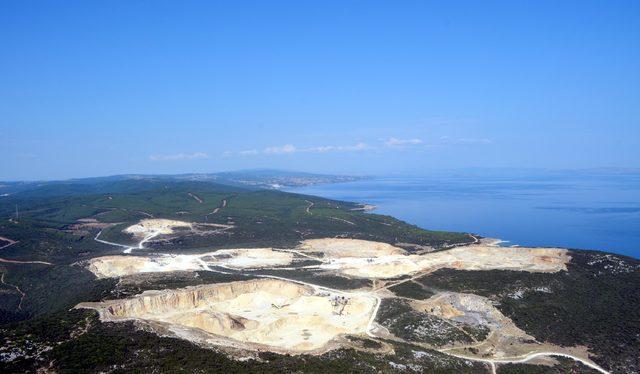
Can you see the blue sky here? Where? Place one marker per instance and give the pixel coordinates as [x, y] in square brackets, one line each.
[98, 88]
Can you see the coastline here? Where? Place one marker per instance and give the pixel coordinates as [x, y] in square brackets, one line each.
[535, 208]
[365, 207]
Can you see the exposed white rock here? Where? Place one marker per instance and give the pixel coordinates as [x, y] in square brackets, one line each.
[279, 314]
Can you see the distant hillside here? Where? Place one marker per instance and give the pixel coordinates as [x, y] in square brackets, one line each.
[256, 178]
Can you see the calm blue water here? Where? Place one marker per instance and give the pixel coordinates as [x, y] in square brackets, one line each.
[577, 210]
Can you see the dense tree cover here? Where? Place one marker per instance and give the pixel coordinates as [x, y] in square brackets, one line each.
[565, 366]
[412, 290]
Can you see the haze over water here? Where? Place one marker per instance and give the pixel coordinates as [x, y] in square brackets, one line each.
[587, 210]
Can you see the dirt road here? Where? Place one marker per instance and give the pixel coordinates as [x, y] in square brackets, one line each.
[12, 242]
[311, 204]
[196, 197]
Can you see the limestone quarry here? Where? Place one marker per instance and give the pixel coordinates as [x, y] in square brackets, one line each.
[365, 259]
[149, 229]
[332, 248]
[269, 313]
[350, 257]
[279, 314]
[159, 226]
[120, 266]
[505, 337]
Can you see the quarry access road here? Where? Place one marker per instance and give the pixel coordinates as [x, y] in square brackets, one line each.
[128, 248]
[112, 243]
[529, 357]
[5, 260]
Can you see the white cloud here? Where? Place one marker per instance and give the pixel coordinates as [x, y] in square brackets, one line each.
[179, 156]
[340, 148]
[288, 148]
[321, 149]
[357, 147]
[388, 144]
[446, 140]
[474, 141]
[395, 142]
[291, 149]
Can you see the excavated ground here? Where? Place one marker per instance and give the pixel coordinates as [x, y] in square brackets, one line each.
[269, 313]
[505, 338]
[332, 248]
[365, 259]
[287, 316]
[156, 226]
[354, 258]
[247, 258]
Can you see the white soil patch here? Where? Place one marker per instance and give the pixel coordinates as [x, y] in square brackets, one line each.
[339, 248]
[267, 313]
[246, 258]
[251, 258]
[148, 227]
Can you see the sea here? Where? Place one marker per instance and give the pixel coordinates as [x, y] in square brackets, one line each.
[597, 210]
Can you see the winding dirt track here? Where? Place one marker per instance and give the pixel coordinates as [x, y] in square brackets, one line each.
[491, 362]
[22, 294]
[531, 356]
[311, 204]
[223, 204]
[12, 242]
[24, 262]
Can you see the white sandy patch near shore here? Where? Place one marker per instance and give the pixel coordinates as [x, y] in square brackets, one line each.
[249, 258]
[279, 314]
